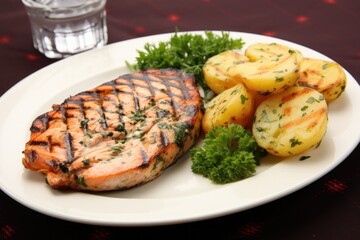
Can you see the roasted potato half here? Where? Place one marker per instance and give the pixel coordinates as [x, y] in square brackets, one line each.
[324, 76]
[269, 73]
[234, 105]
[216, 70]
[291, 122]
[259, 51]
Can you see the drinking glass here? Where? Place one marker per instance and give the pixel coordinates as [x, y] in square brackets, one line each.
[61, 28]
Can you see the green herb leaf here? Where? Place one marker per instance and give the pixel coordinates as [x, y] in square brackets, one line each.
[228, 154]
[294, 141]
[302, 158]
[86, 162]
[81, 181]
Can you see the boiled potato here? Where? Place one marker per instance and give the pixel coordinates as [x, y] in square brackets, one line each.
[268, 75]
[259, 51]
[234, 105]
[291, 122]
[324, 76]
[216, 70]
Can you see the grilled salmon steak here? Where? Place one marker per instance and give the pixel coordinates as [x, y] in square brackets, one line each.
[121, 134]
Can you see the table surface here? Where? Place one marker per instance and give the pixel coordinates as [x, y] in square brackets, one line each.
[329, 208]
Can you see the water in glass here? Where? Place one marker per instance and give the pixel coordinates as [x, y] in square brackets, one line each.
[62, 28]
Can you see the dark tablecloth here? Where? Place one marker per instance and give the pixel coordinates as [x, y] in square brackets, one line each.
[329, 208]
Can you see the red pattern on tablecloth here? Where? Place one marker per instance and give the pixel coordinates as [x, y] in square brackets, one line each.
[7, 232]
[4, 39]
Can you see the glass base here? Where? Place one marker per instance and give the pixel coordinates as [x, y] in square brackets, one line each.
[60, 37]
[61, 45]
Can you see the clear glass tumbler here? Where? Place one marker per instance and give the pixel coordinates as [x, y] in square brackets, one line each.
[61, 28]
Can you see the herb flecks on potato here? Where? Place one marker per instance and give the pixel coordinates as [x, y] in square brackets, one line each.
[324, 76]
[217, 70]
[291, 122]
[270, 72]
[234, 105]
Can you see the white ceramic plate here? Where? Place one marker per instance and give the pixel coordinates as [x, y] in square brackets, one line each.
[178, 195]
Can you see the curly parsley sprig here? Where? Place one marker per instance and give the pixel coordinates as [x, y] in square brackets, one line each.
[227, 154]
[187, 51]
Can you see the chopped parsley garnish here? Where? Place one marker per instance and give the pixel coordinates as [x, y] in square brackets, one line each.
[158, 160]
[81, 181]
[259, 129]
[84, 126]
[138, 116]
[294, 142]
[107, 134]
[84, 123]
[121, 128]
[304, 108]
[279, 79]
[86, 162]
[302, 158]
[181, 133]
[63, 168]
[311, 100]
[243, 99]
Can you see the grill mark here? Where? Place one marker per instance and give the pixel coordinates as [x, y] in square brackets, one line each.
[191, 111]
[172, 102]
[164, 79]
[145, 158]
[47, 144]
[294, 95]
[39, 143]
[67, 137]
[313, 117]
[117, 103]
[104, 123]
[181, 85]
[146, 77]
[51, 163]
[167, 81]
[149, 80]
[50, 143]
[164, 139]
[62, 111]
[44, 120]
[79, 102]
[129, 79]
[32, 156]
[99, 100]
[183, 88]
[69, 147]
[175, 76]
[115, 92]
[151, 88]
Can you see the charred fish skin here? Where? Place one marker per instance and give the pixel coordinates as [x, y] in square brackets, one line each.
[118, 135]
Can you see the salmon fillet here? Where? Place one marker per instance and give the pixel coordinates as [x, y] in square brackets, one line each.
[121, 134]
